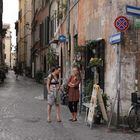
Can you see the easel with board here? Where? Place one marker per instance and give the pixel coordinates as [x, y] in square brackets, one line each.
[96, 96]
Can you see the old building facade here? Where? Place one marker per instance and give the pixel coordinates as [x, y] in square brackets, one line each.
[98, 24]
[87, 26]
[40, 35]
[8, 45]
[24, 35]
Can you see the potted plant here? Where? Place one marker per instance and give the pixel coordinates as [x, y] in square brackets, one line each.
[95, 62]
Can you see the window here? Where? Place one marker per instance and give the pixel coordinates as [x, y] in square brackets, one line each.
[41, 34]
[76, 40]
[52, 28]
[58, 9]
[53, 23]
[47, 30]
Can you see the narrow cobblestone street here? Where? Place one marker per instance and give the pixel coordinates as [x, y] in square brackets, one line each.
[23, 116]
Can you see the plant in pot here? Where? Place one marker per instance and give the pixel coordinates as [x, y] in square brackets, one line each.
[95, 62]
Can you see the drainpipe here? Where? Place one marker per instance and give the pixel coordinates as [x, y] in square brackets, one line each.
[68, 31]
[137, 50]
[1, 11]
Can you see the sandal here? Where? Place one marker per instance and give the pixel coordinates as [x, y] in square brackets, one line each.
[70, 119]
[74, 120]
[49, 121]
[58, 120]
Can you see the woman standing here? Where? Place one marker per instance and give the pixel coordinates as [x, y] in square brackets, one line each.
[73, 92]
[53, 88]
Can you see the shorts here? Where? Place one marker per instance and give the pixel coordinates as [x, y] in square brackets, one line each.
[54, 98]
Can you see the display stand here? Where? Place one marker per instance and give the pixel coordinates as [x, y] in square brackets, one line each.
[96, 95]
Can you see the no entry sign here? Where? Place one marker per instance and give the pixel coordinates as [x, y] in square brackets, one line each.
[121, 23]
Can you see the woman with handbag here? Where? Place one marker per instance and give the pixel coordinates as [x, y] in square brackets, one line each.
[53, 87]
[73, 92]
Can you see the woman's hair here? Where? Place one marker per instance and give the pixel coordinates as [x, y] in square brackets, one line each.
[52, 69]
[79, 73]
[55, 68]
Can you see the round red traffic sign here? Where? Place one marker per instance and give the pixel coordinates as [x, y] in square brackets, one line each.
[121, 23]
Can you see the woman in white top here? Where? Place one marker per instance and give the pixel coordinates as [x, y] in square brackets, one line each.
[53, 87]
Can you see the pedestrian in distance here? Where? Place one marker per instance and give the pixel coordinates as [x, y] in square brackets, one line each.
[73, 92]
[53, 87]
[16, 72]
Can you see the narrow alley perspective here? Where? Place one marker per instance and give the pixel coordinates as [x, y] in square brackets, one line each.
[23, 116]
[69, 69]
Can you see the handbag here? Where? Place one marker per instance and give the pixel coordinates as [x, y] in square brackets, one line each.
[64, 96]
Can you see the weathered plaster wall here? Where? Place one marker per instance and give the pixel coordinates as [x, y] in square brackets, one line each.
[96, 20]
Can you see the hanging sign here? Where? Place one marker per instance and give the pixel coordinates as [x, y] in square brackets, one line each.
[62, 38]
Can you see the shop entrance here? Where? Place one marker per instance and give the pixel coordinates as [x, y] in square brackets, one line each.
[95, 49]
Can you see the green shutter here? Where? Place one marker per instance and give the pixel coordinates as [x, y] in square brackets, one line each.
[47, 31]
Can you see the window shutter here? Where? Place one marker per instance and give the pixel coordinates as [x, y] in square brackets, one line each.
[47, 31]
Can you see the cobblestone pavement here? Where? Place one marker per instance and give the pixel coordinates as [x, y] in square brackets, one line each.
[23, 116]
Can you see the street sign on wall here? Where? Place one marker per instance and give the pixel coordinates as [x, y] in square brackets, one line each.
[132, 10]
[115, 38]
[121, 23]
[137, 23]
[62, 38]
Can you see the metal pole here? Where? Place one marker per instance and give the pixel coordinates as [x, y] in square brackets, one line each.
[119, 81]
[81, 97]
[1, 11]
[137, 50]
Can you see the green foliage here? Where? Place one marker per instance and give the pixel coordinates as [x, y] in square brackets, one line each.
[78, 64]
[88, 92]
[105, 100]
[4, 68]
[51, 57]
[79, 51]
[95, 62]
[39, 75]
[88, 87]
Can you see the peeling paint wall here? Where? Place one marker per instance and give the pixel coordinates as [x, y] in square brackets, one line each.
[96, 20]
